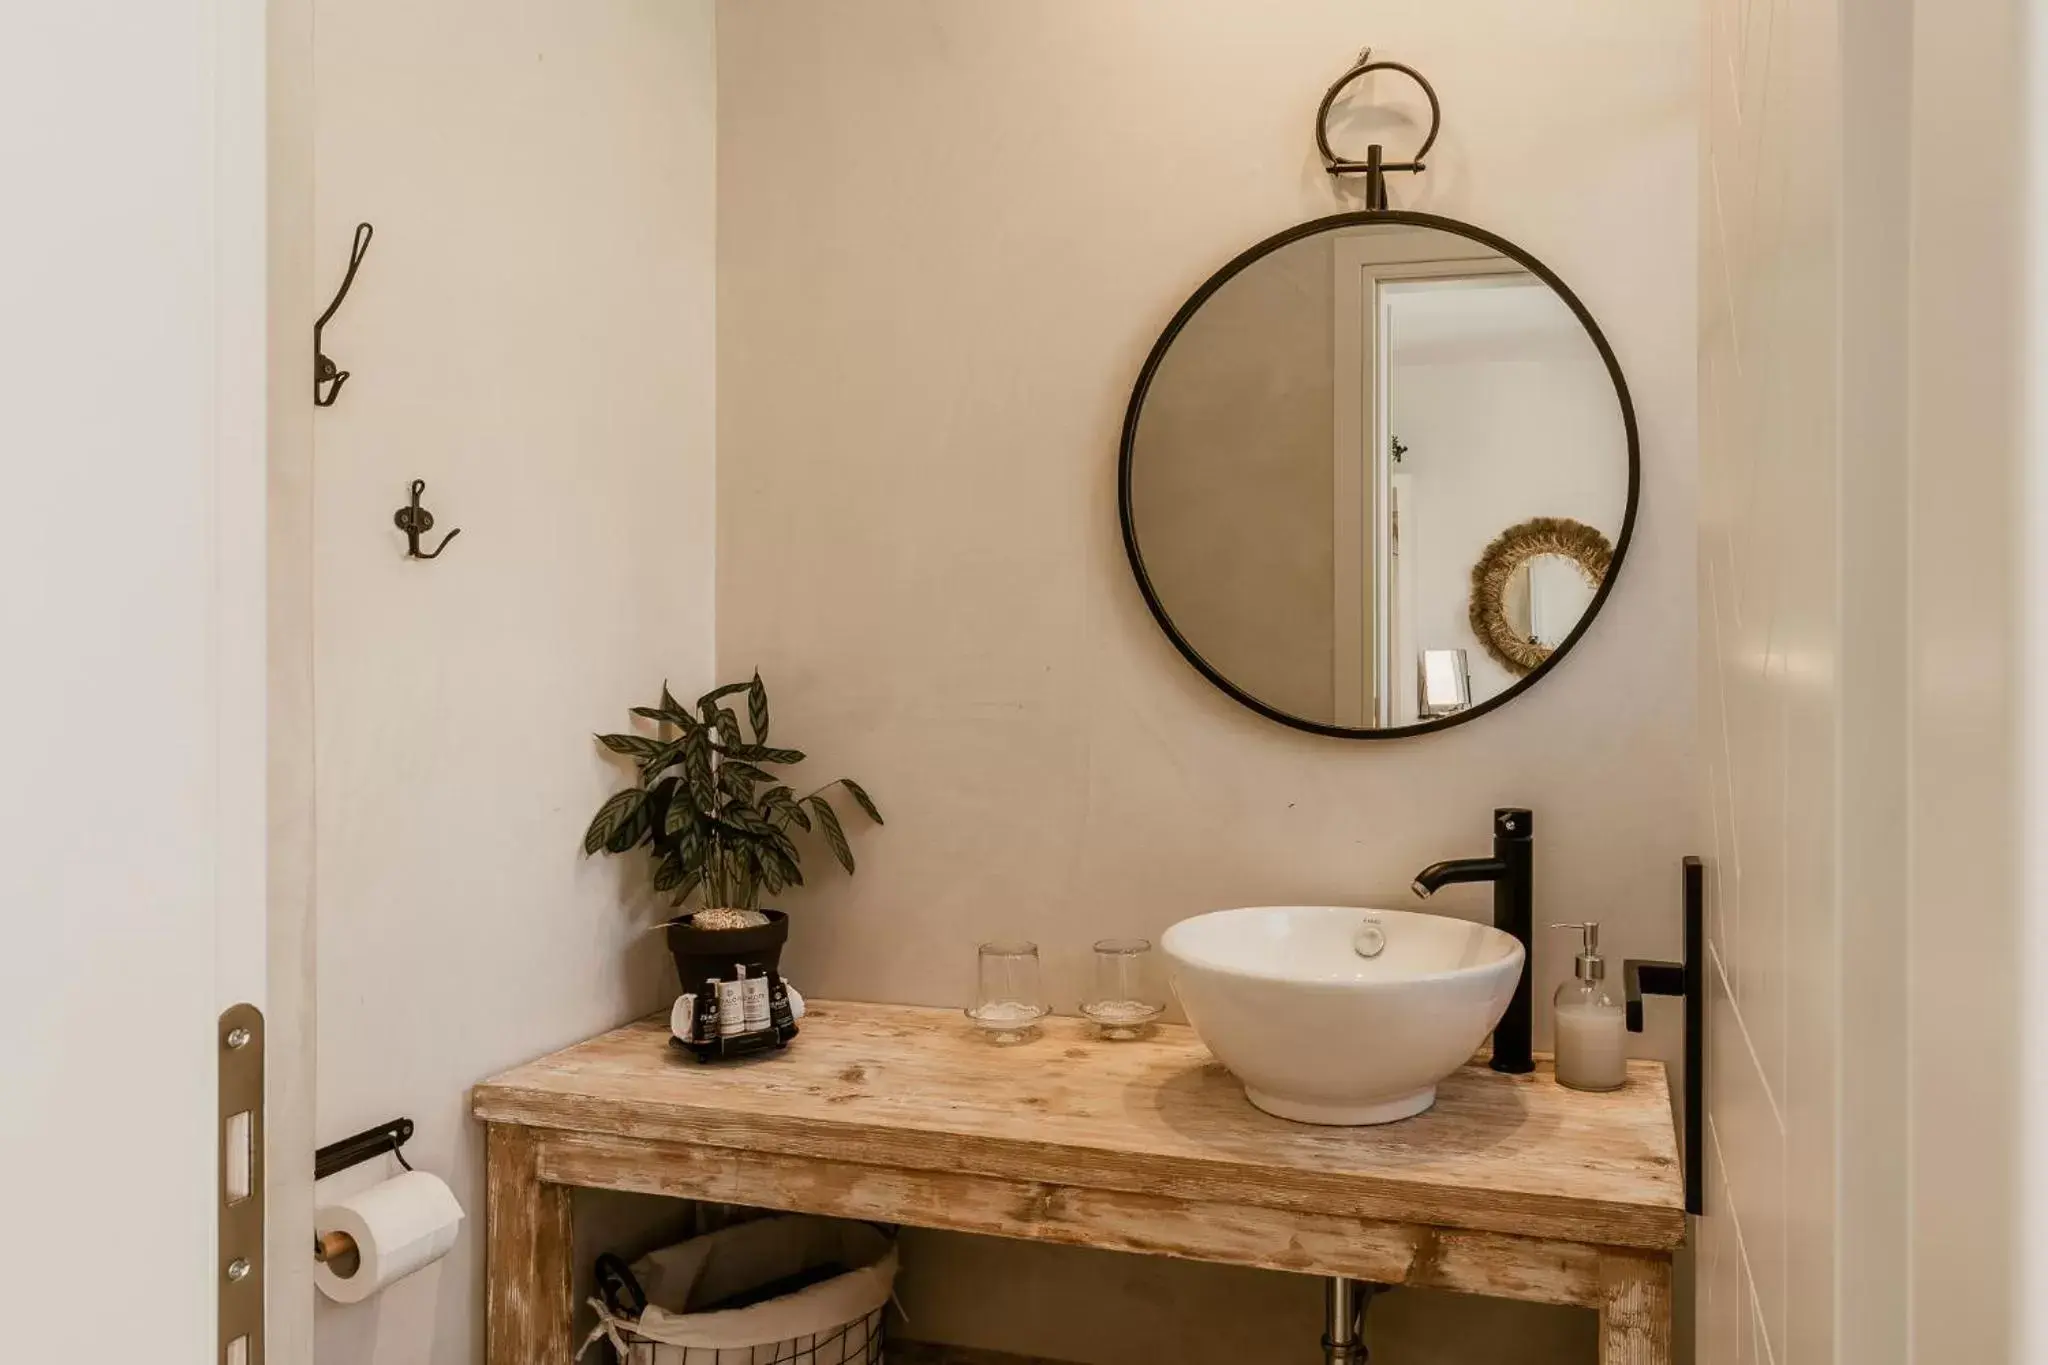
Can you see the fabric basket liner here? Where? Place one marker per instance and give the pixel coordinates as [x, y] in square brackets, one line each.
[733, 1260]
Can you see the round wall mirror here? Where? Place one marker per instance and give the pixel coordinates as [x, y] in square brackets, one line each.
[1378, 474]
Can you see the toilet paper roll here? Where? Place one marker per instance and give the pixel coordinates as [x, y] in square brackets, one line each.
[398, 1227]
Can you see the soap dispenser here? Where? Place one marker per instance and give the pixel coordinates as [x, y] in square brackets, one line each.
[1592, 1037]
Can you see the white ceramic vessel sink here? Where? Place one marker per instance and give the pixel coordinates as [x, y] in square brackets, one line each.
[1320, 1033]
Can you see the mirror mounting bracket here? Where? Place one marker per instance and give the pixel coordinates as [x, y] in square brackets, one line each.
[1375, 166]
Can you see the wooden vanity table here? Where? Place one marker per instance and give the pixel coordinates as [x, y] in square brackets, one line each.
[1511, 1186]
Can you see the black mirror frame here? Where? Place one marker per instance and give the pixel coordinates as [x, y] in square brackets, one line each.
[1127, 450]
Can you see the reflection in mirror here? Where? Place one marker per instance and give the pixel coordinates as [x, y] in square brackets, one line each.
[1532, 586]
[1444, 682]
[1330, 443]
[1546, 597]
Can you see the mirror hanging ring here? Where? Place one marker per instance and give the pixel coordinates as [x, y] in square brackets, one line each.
[1513, 548]
[1375, 166]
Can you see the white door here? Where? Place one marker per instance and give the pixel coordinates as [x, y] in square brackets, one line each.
[132, 601]
[1863, 399]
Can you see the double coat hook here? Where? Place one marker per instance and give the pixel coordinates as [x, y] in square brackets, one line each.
[327, 376]
[416, 521]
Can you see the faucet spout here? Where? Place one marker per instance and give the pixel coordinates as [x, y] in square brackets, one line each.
[1439, 875]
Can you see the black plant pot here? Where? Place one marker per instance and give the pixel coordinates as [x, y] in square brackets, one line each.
[711, 954]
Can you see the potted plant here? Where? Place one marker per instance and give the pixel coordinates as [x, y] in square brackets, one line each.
[718, 825]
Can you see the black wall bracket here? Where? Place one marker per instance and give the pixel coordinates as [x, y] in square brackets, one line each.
[1687, 979]
[337, 1157]
[1375, 166]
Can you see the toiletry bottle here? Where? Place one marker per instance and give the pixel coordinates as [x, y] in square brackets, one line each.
[1592, 1037]
[732, 1006]
[754, 998]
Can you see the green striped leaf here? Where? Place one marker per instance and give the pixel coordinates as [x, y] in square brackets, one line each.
[778, 866]
[679, 821]
[638, 824]
[761, 753]
[717, 694]
[781, 803]
[742, 883]
[860, 796]
[663, 757]
[639, 746]
[734, 770]
[611, 816]
[743, 818]
[697, 768]
[786, 850]
[689, 845]
[692, 876]
[757, 709]
[828, 825]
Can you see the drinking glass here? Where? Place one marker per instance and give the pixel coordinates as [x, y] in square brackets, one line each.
[1008, 1000]
[1124, 1003]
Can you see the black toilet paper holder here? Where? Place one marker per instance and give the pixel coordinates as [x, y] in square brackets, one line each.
[354, 1150]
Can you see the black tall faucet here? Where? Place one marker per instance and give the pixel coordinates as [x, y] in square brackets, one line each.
[1510, 870]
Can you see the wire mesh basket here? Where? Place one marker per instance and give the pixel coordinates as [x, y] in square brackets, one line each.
[791, 1290]
[857, 1343]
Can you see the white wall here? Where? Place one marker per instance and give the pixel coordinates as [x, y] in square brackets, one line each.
[532, 335]
[928, 330]
[1974, 403]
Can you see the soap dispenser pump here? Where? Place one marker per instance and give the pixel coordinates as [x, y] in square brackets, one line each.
[1592, 1037]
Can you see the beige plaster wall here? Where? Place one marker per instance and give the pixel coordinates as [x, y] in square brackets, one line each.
[948, 234]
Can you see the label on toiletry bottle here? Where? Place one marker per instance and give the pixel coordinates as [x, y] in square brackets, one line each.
[732, 1007]
[754, 992]
[682, 1020]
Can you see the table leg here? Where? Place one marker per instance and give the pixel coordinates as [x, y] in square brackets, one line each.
[1635, 1310]
[528, 1296]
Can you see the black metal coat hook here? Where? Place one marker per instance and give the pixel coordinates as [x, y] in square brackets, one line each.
[416, 521]
[327, 377]
[1375, 166]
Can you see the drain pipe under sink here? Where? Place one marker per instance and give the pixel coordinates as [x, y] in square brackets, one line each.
[1344, 1304]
